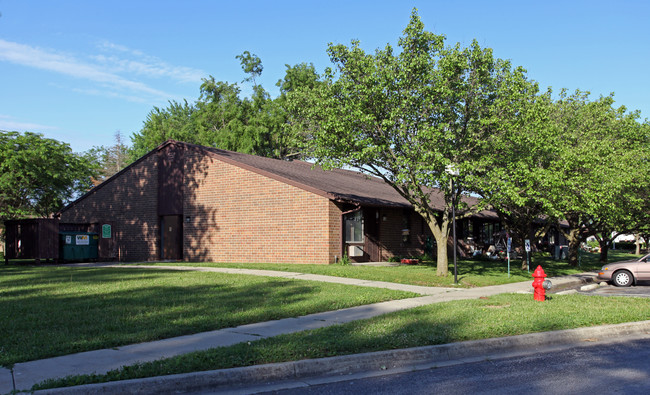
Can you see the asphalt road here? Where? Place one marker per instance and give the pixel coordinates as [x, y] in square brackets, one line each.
[622, 368]
[641, 289]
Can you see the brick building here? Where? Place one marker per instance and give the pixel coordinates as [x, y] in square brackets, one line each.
[188, 202]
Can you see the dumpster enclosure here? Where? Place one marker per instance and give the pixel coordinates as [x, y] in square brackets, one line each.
[48, 239]
[35, 238]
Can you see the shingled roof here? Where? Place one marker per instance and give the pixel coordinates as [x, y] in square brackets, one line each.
[338, 184]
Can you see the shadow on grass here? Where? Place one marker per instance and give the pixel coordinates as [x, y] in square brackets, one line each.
[490, 267]
[56, 311]
[499, 316]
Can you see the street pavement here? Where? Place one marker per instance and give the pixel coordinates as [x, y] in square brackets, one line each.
[26, 374]
[620, 367]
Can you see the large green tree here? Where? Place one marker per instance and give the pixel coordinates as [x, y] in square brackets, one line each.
[110, 159]
[573, 160]
[599, 175]
[223, 118]
[39, 175]
[516, 157]
[174, 122]
[405, 116]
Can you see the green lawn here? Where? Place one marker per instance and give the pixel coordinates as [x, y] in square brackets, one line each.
[471, 273]
[497, 316]
[47, 311]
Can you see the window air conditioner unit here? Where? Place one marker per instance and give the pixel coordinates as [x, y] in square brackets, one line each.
[355, 251]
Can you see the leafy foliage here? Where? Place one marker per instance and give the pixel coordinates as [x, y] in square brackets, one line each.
[406, 117]
[584, 162]
[600, 172]
[110, 160]
[38, 175]
[174, 122]
[221, 118]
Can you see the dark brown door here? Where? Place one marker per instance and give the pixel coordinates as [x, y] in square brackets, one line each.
[371, 228]
[172, 237]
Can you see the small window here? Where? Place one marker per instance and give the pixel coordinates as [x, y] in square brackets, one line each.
[469, 229]
[487, 232]
[353, 223]
[406, 227]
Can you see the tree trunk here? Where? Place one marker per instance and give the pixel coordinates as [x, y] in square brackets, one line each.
[637, 243]
[442, 263]
[520, 238]
[440, 231]
[604, 249]
[574, 247]
[646, 238]
[573, 236]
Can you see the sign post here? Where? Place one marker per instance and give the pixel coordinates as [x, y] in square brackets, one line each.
[527, 244]
[508, 248]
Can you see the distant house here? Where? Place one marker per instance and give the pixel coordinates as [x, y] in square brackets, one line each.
[188, 202]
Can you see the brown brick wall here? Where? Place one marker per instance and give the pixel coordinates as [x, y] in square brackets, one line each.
[130, 202]
[236, 215]
[335, 236]
[391, 234]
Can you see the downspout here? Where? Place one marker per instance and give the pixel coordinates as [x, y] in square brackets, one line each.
[342, 230]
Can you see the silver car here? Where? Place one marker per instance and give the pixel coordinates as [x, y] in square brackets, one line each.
[626, 273]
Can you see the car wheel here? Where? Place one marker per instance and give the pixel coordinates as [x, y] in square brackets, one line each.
[622, 278]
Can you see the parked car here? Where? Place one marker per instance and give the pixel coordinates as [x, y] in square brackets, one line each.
[626, 273]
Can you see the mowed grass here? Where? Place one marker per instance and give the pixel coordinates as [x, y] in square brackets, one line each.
[47, 311]
[471, 272]
[496, 316]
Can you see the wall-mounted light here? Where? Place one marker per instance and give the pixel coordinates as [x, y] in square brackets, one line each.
[188, 219]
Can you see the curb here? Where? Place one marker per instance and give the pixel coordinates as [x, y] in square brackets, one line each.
[388, 361]
[574, 281]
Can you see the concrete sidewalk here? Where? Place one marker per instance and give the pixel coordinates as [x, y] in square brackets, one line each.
[29, 373]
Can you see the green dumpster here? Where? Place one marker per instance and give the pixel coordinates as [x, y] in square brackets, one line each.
[78, 246]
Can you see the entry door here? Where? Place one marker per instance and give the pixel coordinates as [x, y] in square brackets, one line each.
[371, 222]
[172, 237]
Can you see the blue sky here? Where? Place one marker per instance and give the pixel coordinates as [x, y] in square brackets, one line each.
[79, 71]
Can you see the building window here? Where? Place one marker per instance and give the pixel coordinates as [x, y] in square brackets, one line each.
[353, 224]
[406, 227]
[468, 229]
[488, 231]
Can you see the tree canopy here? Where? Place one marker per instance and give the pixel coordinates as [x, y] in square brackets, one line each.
[39, 175]
[222, 118]
[109, 160]
[571, 160]
[405, 117]
[600, 171]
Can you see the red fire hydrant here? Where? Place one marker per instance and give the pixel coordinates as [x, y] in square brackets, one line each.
[539, 285]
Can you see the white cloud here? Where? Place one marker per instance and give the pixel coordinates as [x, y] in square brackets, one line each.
[110, 94]
[145, 64]
[9, 124]
[102, 70]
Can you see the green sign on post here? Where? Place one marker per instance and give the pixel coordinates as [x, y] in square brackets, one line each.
[106, 231]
